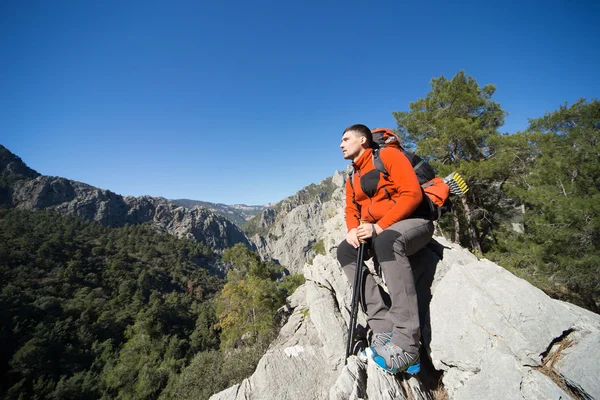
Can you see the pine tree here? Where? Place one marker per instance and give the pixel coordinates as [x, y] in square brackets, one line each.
[453, 127]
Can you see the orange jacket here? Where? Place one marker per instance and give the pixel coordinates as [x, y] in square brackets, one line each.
[382, 201]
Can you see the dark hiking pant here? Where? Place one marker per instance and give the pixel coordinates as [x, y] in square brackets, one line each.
[392, 248]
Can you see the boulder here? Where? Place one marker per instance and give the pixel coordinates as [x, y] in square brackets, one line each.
[489, 334]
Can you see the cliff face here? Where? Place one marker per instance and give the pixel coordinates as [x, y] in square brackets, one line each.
[485, 332]
[27, 189]
[75, 198]
[292, 229]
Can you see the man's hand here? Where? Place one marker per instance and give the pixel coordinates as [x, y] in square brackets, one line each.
[365, 231]
[352, 238]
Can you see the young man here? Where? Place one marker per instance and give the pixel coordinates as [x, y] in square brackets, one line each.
[395, 224]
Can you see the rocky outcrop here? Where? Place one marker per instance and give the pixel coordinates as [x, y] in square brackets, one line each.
[490, 334]
[291, 230]
[486, 334]
[10, 164]
[76, 198]
[24, 188]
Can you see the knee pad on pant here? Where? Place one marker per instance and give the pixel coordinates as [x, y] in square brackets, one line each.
[346, 254]
[384, 245]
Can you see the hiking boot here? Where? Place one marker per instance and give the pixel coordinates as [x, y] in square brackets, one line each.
[378, 339]
[381, 338]
[393, 359]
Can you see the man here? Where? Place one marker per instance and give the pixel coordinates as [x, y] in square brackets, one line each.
[395, 223]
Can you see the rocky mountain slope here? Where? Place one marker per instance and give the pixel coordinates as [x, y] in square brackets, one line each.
[289, 231]
[24, 188]
[486, 333]
[239, 214]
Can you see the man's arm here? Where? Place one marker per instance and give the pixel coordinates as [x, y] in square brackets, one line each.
[352, 215]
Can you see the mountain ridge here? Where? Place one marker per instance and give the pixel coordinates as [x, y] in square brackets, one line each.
[22, 187]
[239, 214]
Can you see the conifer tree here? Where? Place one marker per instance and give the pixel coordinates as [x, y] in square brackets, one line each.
[560, 192]
[452, 127]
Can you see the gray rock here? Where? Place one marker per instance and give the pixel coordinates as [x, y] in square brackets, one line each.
[103, 206]
[291, 238]
[351, 382]
[580, 365]
[536, 385]
[490, 328]
[299, 223]
[10, 164]
[490, 332]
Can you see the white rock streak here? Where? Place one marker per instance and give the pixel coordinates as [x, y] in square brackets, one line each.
[293, 351]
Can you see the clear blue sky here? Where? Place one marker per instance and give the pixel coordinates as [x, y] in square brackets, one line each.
[245, 102]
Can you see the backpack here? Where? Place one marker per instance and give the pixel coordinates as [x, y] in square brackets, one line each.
[437, 190]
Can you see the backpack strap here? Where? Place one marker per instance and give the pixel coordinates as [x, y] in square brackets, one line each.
[378, 162]
[416, 167]
[351, 179]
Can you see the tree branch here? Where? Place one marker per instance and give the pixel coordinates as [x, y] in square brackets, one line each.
[563, 188]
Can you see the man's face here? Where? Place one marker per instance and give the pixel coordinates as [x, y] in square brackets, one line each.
[352, 145]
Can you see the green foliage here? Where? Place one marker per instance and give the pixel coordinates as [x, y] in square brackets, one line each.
[243, 263]
[247, 305]
[321, 191]
[89, 311]
[289, 283]
[551, 171]
[247, 317]
[251, 227]
[561, 195]
[453, 123]
[246, 312]
[319, 248]
[456, 128]
[212, 371]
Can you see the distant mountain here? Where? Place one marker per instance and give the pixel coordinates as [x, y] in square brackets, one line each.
[11, 165]
[237, 213]
[23, 188]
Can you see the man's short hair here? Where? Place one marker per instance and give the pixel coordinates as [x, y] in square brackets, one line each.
[361, 130]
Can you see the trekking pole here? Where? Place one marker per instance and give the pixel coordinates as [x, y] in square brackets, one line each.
[355, 299]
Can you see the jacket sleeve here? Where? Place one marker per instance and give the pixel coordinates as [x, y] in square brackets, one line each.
[352, 214]
[409, 194]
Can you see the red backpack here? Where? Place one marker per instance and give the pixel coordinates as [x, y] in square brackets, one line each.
[436, 189]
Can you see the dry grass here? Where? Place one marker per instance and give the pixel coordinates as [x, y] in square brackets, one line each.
[439, 393]
[431, 379]
[550, 360]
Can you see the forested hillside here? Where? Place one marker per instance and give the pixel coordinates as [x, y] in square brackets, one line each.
[95, 312]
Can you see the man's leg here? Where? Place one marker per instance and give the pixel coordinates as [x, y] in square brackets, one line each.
[393, 246]
[376, 308]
